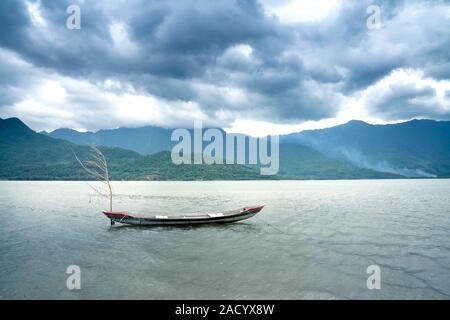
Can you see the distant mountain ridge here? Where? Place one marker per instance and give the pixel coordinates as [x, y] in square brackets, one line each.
[27, 155]
[416, 148]
[144, 140]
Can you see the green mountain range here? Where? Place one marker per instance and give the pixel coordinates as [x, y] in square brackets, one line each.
[356, 150]
[417, 148]
[27, 155]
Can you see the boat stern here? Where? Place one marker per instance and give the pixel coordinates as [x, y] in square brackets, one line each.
[115, 216]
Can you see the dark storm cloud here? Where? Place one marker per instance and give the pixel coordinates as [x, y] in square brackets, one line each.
[343, 41]
[408, 101]
[13, 19]
[192, 51]
[55, 46]
[178, 39]
[175, 41]
[414, 34]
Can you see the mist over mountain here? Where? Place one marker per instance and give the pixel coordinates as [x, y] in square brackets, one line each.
[299, 160]
[417, 148]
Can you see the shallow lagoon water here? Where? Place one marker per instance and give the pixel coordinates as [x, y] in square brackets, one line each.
[314, 240]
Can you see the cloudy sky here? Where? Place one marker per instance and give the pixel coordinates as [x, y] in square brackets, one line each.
[258, 67]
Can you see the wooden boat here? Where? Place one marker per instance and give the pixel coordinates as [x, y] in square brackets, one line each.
[188, 219]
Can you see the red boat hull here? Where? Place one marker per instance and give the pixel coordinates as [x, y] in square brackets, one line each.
[191, 219]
